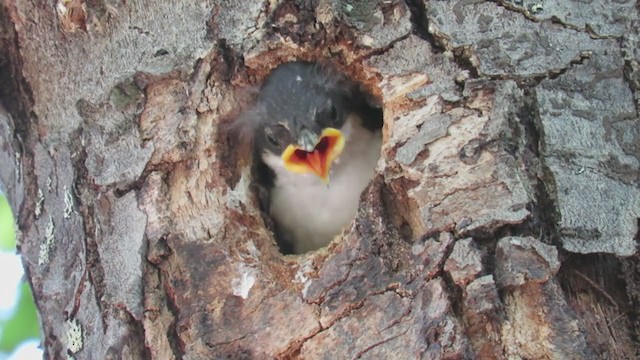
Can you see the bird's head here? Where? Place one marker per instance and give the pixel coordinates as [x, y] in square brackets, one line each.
[302, 110]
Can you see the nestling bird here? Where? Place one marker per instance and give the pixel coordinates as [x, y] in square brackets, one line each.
[317, 141]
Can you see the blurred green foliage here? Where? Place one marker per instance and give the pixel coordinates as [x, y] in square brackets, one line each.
[22, 324]
[7, 232]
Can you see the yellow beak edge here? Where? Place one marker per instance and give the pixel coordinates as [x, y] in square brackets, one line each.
[327, 149]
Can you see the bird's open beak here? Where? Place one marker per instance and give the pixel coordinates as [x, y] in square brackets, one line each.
[319, 160]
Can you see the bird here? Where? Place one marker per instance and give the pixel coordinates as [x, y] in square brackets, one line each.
[316, 140]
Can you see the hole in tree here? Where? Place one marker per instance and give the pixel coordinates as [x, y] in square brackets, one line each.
[308, 175]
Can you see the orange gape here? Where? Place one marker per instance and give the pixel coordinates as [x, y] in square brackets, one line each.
[318, 161]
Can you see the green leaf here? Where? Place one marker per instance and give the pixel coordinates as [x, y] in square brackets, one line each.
[23, 324]
[7, 232]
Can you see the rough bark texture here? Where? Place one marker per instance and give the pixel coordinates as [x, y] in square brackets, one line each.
[502, 221]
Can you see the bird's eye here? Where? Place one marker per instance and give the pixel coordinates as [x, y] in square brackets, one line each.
[271, 137]
[333, 112]
[328, 116]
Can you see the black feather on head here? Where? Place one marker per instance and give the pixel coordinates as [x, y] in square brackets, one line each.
[299, 96]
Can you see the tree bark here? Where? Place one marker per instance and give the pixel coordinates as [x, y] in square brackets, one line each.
[502, 222]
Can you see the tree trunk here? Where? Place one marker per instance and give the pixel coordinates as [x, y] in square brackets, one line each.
[502, 222]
